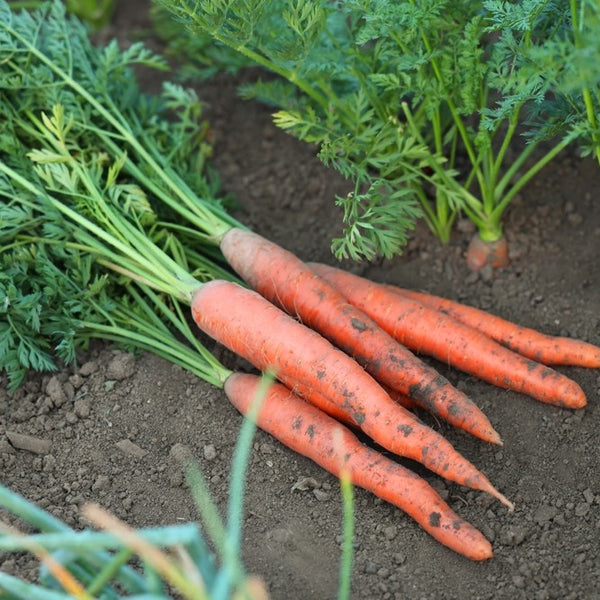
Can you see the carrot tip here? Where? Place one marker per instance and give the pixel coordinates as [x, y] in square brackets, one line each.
[502, 498]
[494, 438]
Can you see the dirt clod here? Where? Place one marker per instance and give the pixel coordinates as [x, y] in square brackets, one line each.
[30, 443]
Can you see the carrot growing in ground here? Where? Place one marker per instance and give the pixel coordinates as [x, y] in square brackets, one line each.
[285, 280]
[546, 349]
[437, 334]
[273, 341]
[332, 446]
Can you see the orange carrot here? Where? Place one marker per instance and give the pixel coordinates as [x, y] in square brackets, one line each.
[310, 432]
[434, 333]
[480, 253]
[546, 349]
[271, 340]
[285, 280]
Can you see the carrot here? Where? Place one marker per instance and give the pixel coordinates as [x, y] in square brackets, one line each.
[546, 349]
[271, 340]
[435, 333]
[310, 432]
[481, 253]
[285, 280]
[400, 398]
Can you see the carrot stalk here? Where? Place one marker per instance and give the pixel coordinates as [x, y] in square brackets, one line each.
[310, 432]
[432, 332]
[546, 349]
[252, 327]
[285, 280]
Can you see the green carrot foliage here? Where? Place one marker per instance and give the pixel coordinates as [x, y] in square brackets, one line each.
[418, 103]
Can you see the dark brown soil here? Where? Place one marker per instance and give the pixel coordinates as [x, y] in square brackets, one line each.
[548, 548]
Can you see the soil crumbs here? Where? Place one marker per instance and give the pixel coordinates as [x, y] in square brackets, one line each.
[111, 429]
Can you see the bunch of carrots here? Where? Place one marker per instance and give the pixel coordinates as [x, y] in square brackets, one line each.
[343, 349]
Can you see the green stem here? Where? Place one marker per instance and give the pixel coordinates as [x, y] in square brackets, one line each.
[171, 278]
[587, 95]
[239, 467]
[348, 537]
[182, 356]
[210, 223]
[461, 192]
[512, 171]
[191, 211]
[529, 174]
[508, 137]
[454, 112]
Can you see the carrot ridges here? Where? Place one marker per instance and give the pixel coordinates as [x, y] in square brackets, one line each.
[433, 332]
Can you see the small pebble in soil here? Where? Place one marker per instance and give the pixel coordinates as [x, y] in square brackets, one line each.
[582, 509]
[589, 496]
[306, 483]
[29, 443]
[181, 453]
[320, 494]
[82, 408]
[209, 451]
[545, 513]
[121, 366]
[102, 483]
[55, 391]
[371, 568]
[512, 536]
[88, 368]
[128, 448]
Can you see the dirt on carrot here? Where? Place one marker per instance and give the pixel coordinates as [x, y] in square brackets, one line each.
[310, 432]
[285, 280]
[546, 349]
[436, 334]
[252, 327]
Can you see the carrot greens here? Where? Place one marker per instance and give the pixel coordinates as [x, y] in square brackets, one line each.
[418, 103]
[74, 200]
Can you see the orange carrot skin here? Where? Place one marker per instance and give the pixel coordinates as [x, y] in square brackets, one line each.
[435, 333]
[546, 349]
[334, 410]
[252, 327]
[285, 280]
[310, 432]
[480, 254]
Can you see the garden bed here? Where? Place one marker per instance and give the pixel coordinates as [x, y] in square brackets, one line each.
[113, 428]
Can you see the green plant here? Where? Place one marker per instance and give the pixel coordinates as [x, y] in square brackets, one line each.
[97, 13]
[50, 65]
[417, 102]
[569, 61]
[88, 564]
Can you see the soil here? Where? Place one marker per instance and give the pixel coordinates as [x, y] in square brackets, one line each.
[110, 428]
